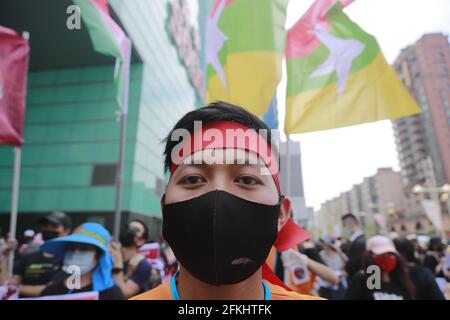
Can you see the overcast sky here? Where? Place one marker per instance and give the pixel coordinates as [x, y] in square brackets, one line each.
[334, 160]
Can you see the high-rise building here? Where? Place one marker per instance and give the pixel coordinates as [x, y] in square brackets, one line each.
[424, 69]
[374, 200]
[71, 130]
[301, 213]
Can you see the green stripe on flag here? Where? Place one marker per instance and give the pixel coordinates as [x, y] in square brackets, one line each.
[299, 69]
[103, 37]
[252, 25]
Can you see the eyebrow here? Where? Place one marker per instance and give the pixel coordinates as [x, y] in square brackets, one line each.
[204, 164]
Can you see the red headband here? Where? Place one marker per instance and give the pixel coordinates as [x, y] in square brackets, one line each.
[227, 135]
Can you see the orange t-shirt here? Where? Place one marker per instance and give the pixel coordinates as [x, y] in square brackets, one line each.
[304, 288]
[163, 292]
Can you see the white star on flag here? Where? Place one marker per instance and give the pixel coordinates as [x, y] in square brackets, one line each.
[342, 54]
[215, 40]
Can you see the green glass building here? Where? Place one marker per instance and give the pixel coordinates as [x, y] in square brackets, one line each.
[71, 129]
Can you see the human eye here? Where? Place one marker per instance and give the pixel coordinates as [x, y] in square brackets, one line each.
[248, 180]
[191, 180]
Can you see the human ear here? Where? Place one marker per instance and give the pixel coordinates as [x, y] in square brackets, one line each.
[285, 212]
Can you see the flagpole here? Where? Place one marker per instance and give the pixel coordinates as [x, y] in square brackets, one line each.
[15, 191]
[122, 144]
[432, 184]
[14, 204]
[288, 166]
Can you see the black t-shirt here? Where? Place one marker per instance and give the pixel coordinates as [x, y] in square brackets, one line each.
[431, 262]
[358, 290]
[36, 268]
[57, 287]
[425, 283]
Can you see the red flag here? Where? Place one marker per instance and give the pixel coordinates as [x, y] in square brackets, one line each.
[14, 54]
[289, 236]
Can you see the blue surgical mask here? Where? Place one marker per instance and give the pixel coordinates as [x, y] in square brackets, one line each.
[85, 260]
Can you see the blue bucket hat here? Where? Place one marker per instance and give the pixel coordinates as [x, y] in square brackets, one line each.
[93, 234]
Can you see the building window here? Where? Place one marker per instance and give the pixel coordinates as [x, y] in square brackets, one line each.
[160, 187]
[419, 226]
[104, 174]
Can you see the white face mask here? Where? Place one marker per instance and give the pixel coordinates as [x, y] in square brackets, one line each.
[85, 260]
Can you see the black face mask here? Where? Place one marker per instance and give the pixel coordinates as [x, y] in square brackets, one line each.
[48, 235]
[220, 238]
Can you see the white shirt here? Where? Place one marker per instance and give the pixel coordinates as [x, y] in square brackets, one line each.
[356, 235]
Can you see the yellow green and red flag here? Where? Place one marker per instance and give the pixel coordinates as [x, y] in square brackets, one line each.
[245, 41]
[337, 74]
[109, 39]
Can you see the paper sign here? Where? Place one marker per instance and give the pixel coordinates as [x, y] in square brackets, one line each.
[91, 295]
[431, 209]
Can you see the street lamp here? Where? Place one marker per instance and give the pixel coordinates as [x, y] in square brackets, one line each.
[418, 189]
[445, 188]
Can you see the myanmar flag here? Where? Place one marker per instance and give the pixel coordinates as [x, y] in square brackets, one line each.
[337, 74]
[109, 39]
[245, 42]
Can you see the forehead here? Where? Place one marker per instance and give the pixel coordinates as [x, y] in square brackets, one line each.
[50, 225]
[138, 225]
[221, 156]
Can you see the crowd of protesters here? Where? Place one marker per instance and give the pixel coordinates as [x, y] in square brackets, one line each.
[62, 259]
[44, 261]
[332, 268]
[408, 269]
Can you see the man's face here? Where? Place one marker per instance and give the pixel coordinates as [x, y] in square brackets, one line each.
[51, 230]
[348, 225]
[58, 229]
[243, 180]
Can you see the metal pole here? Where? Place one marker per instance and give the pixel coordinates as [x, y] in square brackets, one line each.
[14, 204]
[288, 167]
[123, 131]
[15, 191]
[435, 194]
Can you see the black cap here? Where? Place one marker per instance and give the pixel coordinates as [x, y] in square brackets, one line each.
[57, 217]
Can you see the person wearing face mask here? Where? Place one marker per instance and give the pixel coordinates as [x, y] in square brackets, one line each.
[423, 279]
[131, 271]
[86, 249]
[356, 245]
[392, 282]
[222, 209]
[35, 268]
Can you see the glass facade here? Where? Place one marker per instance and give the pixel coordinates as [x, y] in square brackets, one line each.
[71, 128]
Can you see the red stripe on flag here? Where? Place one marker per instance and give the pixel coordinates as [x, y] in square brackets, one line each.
[290, 236]
[270, 276]
[14, 55]
[301, 41]
[216, 6]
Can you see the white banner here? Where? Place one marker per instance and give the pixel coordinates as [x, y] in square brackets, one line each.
[91, 295]
[381, 220]
[432, 211]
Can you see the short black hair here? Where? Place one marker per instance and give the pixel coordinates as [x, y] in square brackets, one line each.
[435, 244]
[145, 234]
[216, 111]
[406, 248]
[350, 216]
[57, 218]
